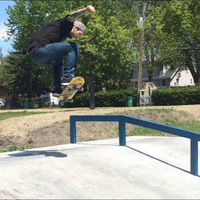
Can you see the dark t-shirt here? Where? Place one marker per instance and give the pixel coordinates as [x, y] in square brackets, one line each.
[52, 32]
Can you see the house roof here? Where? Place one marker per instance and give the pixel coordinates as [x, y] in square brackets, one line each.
[168, 75]
[157, 74]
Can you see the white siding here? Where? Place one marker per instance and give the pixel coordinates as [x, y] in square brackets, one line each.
[183, 78]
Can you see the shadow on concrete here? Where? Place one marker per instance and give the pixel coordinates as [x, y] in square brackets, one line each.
[158, 159]
[36, 153]
[143, 154]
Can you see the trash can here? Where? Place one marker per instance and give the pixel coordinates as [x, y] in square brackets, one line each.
[26, 104]
[129, 102]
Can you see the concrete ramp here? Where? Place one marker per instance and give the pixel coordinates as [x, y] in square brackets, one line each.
[147, 168]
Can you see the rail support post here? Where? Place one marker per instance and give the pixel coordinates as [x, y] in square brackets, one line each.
[194, 157]
[72, 130]
[122, 132]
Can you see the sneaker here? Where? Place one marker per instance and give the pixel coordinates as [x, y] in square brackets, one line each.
[65, 80]
[56, 91]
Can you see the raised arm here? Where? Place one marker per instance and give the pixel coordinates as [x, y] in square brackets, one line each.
[78, 13]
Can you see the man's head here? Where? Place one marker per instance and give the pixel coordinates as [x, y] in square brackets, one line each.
[77, 30]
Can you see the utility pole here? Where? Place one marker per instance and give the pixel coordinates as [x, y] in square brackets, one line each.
[141, 53]
[91, 91]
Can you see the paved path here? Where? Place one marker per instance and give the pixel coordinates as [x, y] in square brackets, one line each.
[147, 168]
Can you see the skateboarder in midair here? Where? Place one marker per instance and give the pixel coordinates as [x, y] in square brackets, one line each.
[48, 47]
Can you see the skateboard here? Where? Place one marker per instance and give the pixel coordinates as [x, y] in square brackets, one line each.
[70, 90]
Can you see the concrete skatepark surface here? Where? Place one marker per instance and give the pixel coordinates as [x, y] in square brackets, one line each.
[147, 168]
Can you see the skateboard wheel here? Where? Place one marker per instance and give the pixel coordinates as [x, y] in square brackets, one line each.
[82, 89]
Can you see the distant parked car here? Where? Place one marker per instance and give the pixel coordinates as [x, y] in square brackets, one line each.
[2, 102]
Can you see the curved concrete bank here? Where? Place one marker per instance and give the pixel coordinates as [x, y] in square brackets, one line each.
[147, 168]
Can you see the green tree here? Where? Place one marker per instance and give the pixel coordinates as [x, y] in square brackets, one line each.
[2, 58]
[108, 54]
[21, 78]
[105, 53]
[171, 34]
[180, 27]
[25, 18]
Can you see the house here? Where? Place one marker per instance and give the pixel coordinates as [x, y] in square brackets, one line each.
[166, 77]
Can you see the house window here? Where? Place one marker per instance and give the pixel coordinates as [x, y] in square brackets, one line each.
[142, 93]
[177, 82]
[163, 83]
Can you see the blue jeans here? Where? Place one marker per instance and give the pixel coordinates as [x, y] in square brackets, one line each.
[62, 56]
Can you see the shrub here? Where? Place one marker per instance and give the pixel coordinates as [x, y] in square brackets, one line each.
[104, 99]
[176, 96]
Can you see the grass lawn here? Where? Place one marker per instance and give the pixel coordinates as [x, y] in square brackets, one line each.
[7, 115]
[170, 117]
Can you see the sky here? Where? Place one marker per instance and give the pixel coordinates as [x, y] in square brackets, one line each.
[6, 46]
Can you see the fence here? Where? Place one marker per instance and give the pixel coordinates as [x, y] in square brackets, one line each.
[123, 119]
[145, 100]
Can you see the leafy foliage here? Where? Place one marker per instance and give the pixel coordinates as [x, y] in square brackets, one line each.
[110, 47]
[107, 55]
[104, 49]
[104, 99]
[176, 96]
[21, 78]
[180, 28]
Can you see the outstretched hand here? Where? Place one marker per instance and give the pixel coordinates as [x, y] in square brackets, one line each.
[90, 9]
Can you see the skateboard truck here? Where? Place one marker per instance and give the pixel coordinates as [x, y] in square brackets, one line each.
[76, 89]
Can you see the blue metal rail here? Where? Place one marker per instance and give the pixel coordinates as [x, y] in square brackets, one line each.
[123, 119]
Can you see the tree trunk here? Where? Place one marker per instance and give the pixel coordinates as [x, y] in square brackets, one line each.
[91, 92]
[191, 67]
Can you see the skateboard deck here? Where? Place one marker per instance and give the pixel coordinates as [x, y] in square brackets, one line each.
[70, 90]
